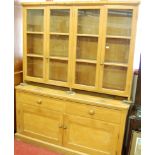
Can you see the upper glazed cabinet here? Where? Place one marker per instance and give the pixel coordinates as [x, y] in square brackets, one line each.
[87, 46]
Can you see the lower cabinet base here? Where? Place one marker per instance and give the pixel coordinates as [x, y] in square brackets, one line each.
[63, 123]
[53, 147]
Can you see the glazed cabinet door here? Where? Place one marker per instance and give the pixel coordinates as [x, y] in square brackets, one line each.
[117, 52]
[59, 34]
[90, 136]
[40, 123]
[87, 37]
[34, 43]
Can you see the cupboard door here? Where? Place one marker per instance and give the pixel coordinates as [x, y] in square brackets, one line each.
[40, 123]
[115, 58]
[34, 44]
[90, 136]
[58, 52]
[86, 47]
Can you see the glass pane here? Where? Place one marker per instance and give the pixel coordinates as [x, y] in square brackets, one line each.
[35, 67]
[35, 20]
[87, 48]
[59, 45]
[114, 77]
[35, 44]
[59, 20]
[58, 70]
[117, 50]
[88, 21]
[85, 74]
[119, 22]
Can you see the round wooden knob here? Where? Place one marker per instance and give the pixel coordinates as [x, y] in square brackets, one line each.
[91, 112]
[39, 101]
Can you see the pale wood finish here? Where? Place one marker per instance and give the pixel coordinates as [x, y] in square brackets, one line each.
[34, 120]
[51, 116]
[41, 101]
[90, 136]
[111, 2]
[34, 43]
[59, 32]
[78, 97]
[112, 116]
[83, 44]
[114, 77]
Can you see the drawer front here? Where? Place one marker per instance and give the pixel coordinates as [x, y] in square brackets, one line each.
[100, 113]
[41, 101]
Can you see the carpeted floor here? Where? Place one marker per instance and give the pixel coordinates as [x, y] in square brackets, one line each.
[22, 148]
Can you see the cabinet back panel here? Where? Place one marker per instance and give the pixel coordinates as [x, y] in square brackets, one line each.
[59, 20]
[118, 50]
[119, 22]
[114, 77]
[59, 46]
[85, 74]
[35, 67]
[88, 21]
[58, 70]
[87, 48]
[35, 44]
[35, 20]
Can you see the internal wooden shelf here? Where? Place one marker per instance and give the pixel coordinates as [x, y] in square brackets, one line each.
[32, 32]
[57, 33]
[87, 35]
[118, 37]
[86, 61]
[116, 64]
[58, 58]
[35, 55]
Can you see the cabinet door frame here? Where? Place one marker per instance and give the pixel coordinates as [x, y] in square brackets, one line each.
[129, 74]
[25, 76]
[89, 123]
[70, 36]
[81, 86]
[40, 112]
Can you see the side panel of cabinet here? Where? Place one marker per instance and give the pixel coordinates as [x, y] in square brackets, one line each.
[40, 123]
[90, 136]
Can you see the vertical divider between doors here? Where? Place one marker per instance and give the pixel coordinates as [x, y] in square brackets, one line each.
[70, 51]
[102, 44]
[74, 40]
[46, 54]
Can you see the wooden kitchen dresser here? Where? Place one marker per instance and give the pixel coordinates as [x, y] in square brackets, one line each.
[77, 70]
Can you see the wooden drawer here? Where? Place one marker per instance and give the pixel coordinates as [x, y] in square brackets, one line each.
[100, 113]
[41, 101]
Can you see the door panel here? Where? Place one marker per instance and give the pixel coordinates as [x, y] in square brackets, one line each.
[34, 43]
[41, 124]
[90, 136]
[87, 45]
[59, 45]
